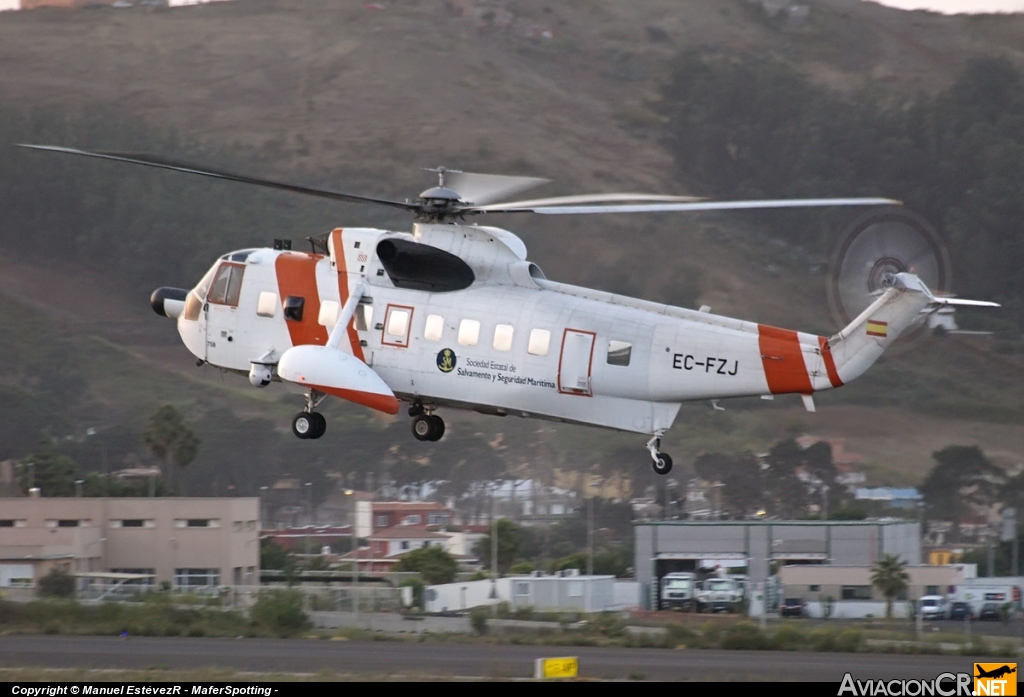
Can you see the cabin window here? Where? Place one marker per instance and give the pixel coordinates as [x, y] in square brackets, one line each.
[540, 342]
[619, 352]
[329, 311]
[398, 323]
[434, 328]
[266, 304]
[469, 332]
[227, 285]
[397, 320]
[503, 337]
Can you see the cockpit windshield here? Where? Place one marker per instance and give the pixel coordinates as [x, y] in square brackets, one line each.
[197, 296]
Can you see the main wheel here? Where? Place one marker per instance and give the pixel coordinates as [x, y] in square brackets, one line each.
[319, 425]
[303, 425]
[437, 427]
[422, 428]
[663, 465]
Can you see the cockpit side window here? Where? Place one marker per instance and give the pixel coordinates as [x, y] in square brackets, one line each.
[197, 296]
[227, 285]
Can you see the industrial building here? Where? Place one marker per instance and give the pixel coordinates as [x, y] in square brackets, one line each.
[847, 591]
[760, 547]
[186, 542]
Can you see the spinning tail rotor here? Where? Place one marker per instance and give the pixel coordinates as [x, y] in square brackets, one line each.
[873, 249]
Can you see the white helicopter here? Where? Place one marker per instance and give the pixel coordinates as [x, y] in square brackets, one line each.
[453, 315]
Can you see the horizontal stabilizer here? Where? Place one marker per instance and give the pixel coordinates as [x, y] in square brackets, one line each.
[966, 303]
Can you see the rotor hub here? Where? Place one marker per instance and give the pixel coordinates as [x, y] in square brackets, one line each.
[883, 273]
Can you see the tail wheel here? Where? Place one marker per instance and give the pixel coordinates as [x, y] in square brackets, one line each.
[663, 464]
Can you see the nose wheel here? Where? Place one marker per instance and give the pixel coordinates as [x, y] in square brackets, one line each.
[662, 463]
[427, 427]
[309, 425]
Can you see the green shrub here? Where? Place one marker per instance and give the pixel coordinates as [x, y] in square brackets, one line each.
[679, 635]
[850, 641]
[788, 638]
[280, 611]
[523, 613]
[57, 584]
[710, 634]
[434, 564]
[478, 619]
[521, 568]
[744, 635]
[610, 625]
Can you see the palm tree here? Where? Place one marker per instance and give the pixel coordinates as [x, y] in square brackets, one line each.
[889, 576]
[169, 438]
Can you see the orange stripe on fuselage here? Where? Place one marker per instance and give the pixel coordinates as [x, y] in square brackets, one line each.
[296, 277]
[783, 362]
[339, 259]
[830, 362]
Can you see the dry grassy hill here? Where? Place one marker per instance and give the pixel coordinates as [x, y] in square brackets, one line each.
[564, 90]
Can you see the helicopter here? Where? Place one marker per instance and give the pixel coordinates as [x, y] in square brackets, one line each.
[453, 315]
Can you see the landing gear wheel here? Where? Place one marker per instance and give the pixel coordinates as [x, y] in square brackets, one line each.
[304, 425]
[319, 425]
[437, 424]
[422, 427]
[663, 464]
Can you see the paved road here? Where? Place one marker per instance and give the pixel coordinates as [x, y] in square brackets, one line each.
[439, 659]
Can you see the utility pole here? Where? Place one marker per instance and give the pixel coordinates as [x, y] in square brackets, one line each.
[494, 541]
[309, 512]
[355, 554]
[1009, 534]
[590, 536]
[494, 550]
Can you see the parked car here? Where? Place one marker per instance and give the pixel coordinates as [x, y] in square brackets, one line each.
[933, 607]
[961, 611]
[990, 612]
[792, 607]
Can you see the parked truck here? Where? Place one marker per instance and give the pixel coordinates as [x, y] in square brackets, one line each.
[718, 594]
[677, 591]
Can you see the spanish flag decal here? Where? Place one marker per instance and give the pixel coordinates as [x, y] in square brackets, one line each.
[877, 328]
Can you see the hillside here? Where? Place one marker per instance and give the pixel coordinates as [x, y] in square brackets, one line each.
[362, 99]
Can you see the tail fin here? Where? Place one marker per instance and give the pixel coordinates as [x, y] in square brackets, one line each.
[859, 345]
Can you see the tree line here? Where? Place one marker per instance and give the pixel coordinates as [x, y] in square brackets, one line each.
[756, 128]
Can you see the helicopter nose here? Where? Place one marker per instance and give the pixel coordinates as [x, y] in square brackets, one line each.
[168, 302]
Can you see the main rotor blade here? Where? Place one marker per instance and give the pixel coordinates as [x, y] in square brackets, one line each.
[693, 207]
[485, 188]
[582, 198]
[153, 161]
